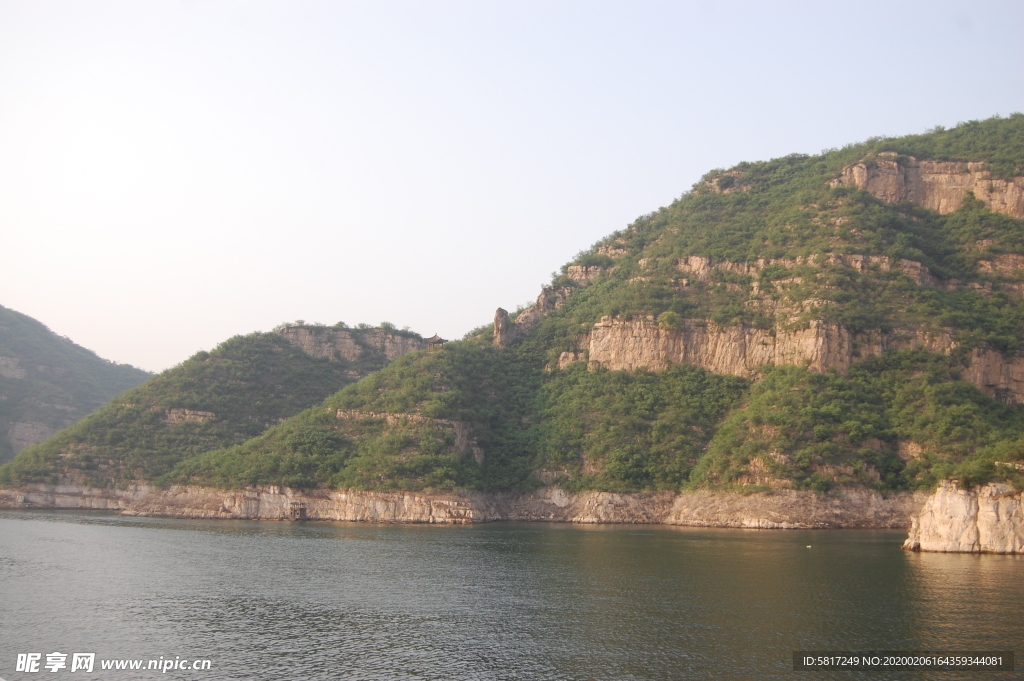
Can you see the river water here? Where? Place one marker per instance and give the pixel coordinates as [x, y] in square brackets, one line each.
[274, 600]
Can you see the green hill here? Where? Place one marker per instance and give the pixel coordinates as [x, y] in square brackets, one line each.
[848, 319]
[48, 382]
[212, 400]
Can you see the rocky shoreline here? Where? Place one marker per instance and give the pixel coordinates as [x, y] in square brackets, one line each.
[787, 509]
[987, 519]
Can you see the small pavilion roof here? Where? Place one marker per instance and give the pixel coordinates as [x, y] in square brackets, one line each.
[435, 339]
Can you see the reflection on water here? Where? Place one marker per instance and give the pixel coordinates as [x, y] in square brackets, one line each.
[269, 600]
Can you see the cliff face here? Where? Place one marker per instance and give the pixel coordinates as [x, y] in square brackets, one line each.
[700, 268]
[936, 185]
[997, 376]
[632, 344]
[334, 344]
[550, 298]
[780, 510]
[988, 519]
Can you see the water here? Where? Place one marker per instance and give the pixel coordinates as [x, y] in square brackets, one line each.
[269, 600]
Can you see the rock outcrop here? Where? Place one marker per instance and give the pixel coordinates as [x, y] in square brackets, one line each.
[1007, 265]
[997, 376]
[700, 267]
[334, 344]
[175, 416]
[503, 329]
[987, 519]
[632, 344]
[641, 343]
[779, 510]
[584, 275]
[936, 185]
[550, 298]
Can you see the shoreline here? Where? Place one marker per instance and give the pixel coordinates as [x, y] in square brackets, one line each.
[952, 519]
[783, 509]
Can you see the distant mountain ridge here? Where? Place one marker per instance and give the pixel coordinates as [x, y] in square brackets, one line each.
[48, 382]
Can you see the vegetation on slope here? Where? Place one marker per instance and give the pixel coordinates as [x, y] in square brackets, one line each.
[475, 417]
[212, 400]
[436, 399]
[617, 431]
[48, 382]
[901, 421]
[812, 428]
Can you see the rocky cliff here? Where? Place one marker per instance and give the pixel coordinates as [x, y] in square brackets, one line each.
[630, 344]
[506, 331]
[935, 185]
[334, 344]
[779, 510]
[987, 519]
[635, 343]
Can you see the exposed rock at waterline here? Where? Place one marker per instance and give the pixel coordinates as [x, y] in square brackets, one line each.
[987, 519]
[786, 509]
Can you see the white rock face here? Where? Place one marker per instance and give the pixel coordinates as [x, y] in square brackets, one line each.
[988, 519]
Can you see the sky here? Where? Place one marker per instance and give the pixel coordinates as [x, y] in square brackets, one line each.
[176, 173]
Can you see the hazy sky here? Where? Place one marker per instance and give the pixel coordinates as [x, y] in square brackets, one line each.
[174, 173]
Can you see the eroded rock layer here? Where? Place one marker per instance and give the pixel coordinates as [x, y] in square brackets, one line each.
[987, 519]
[631, 344]
[334, 344]
[935, 185]
[778, 510]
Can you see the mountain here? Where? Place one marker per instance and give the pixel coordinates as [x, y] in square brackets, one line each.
[48, 382]
[848, 320]
[212, 400]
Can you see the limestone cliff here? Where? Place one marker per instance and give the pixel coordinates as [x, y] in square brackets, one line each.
[631, 344]
[779, 510]
[988, 519]
[333, 344]
[936, 185]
